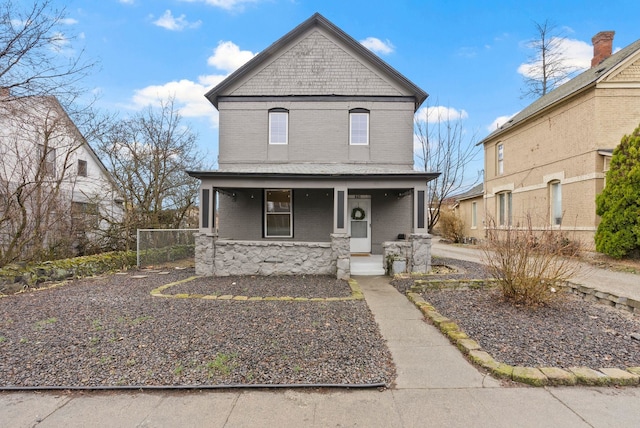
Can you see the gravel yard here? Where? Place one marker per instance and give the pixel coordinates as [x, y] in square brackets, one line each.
[568, 333]
[110, 331]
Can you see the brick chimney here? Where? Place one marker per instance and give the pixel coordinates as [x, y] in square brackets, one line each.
[602, 46]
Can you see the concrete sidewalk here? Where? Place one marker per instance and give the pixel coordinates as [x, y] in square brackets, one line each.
[619, 283]
[435, 387]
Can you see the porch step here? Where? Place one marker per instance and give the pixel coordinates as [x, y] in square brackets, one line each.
[367, 265]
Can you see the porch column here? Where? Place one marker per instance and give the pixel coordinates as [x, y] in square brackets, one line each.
[207, 234]
[340, 195]
[420, 209]
[339, 237]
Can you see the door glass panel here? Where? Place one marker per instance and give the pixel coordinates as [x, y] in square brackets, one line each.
[358, 228]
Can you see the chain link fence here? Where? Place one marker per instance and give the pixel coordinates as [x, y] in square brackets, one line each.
[161, 246]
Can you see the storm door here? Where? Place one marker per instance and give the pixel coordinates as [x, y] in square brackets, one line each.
[359, 211]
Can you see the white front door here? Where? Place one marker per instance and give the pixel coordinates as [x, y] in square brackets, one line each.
[360, 225]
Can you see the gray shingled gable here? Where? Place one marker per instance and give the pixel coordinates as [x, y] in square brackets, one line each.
[573, 86]
[372, 61]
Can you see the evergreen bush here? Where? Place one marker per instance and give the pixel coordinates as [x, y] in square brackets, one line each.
[618, 205]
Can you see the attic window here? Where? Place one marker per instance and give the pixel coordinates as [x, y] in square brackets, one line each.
[82, 168]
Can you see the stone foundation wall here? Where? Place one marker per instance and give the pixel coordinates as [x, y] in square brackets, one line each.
[395, 250]
[341, 253]
[216, 257]
[416, 251]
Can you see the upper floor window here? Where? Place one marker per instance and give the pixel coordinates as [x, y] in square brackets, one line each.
[555, 193]
[359, 126]
[82, 168]
[504, 209]
[500, 159]
[278, 126]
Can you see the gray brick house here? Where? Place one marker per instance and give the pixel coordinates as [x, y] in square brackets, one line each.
[315, 162]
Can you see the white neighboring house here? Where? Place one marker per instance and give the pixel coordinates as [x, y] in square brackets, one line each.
[55, 190]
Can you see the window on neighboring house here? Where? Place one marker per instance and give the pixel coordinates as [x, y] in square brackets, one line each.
[85, 214]
[474, 214]
[82, 168]
[359, 127]
[500, 159]
[504, 209]
[48, 160]
[278, 126]
[555, 191]
[278, 213]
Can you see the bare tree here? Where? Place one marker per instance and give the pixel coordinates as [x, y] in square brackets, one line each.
[148, 155]
[37, 57]
[444, 147]
[547, 67]
[38, 149]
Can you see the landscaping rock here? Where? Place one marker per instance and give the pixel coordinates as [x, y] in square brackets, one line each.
[529, 375]
[620, 377]
[557, 376]
[590, 377]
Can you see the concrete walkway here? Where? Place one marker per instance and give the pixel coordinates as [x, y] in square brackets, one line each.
[435, 387]
[618, 283]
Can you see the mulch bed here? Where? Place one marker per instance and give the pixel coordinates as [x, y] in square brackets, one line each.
[569, 332]
[109, 331]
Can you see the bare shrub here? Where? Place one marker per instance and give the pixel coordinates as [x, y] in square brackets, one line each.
[451, 226]
[530, 265]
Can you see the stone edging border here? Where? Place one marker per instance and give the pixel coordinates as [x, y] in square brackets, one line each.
[356, 294]
[593, 295]
[535, 376]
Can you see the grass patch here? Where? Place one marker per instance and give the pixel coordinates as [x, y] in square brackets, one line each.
[222, 364]
[42, 323]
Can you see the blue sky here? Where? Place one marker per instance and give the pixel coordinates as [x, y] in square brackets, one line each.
[465, 54]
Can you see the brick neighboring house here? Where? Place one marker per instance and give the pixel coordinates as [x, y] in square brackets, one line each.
[315, 162]
[469, 206]
[549, 161]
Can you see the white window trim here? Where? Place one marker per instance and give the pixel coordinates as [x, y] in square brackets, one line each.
[351, 116]
[290, 213]
[272, 114]
[505, 217]
[552, 206]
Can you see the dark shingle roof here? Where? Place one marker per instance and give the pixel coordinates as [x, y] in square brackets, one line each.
[474, 192]
[573, 86]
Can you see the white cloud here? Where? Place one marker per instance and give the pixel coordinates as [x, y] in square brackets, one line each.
[434, 114]
[189, 95]
[126, 1]
[499, 121]
[575, 56]
[61, 44]
[170, 22]
[68, 21]
[228, 57]
[225, 4]
[378, 46]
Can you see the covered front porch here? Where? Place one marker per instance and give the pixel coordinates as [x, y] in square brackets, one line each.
[276, 224]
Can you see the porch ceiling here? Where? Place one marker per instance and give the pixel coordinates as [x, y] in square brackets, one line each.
[388, 180]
